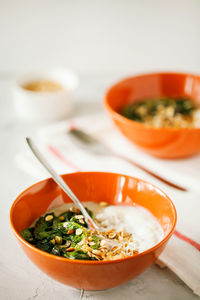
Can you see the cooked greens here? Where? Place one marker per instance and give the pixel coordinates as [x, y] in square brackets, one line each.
[61, 235]
[67, 235]
[161, 112]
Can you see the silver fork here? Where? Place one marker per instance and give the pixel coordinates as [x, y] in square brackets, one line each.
[89, 143]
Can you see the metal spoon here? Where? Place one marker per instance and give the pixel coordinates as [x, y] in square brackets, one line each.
[58, 179]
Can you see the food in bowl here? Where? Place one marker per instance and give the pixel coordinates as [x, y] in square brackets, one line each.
[125, 231]
[164, 112]
[43, 86]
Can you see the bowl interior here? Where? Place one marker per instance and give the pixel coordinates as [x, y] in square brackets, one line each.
[153, 85]
[93, 186]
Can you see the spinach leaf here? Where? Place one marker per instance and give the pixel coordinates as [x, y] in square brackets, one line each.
[184, 106]
[44, 245]
[55, 235]
[67, 215]
[27, 234]
[95, 240]
[78, 254]
[129, 113]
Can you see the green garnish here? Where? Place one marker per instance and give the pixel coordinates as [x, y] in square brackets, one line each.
[61, 235]
[144, 111]
[95, 240]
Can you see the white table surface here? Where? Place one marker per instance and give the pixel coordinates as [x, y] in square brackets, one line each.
[19, 278]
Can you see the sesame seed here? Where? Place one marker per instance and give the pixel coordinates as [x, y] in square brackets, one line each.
[92, 243]
[103, 243]
[65, 224]
[79, 231]
[53, 241]
[48, 218]
[58, 240]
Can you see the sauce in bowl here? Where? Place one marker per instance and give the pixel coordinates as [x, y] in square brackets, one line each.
[43, 86]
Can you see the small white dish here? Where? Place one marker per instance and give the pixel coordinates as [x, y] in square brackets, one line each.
[44, 106]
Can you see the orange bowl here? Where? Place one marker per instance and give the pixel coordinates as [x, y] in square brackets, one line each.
[92, 186]
[161, 142]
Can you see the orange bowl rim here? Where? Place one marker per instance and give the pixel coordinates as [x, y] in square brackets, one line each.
[86, 262]
[123, 119]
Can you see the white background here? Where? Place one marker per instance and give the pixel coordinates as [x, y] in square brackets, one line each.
[100, 36]
[100, 40]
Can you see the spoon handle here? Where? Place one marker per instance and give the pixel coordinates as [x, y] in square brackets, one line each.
[58, 179]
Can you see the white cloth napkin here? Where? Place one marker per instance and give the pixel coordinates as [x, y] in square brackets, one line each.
[182, 254]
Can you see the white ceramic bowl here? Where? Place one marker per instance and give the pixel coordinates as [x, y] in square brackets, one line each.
[44, 106]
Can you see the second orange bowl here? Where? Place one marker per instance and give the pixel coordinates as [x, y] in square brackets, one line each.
[160, 142]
